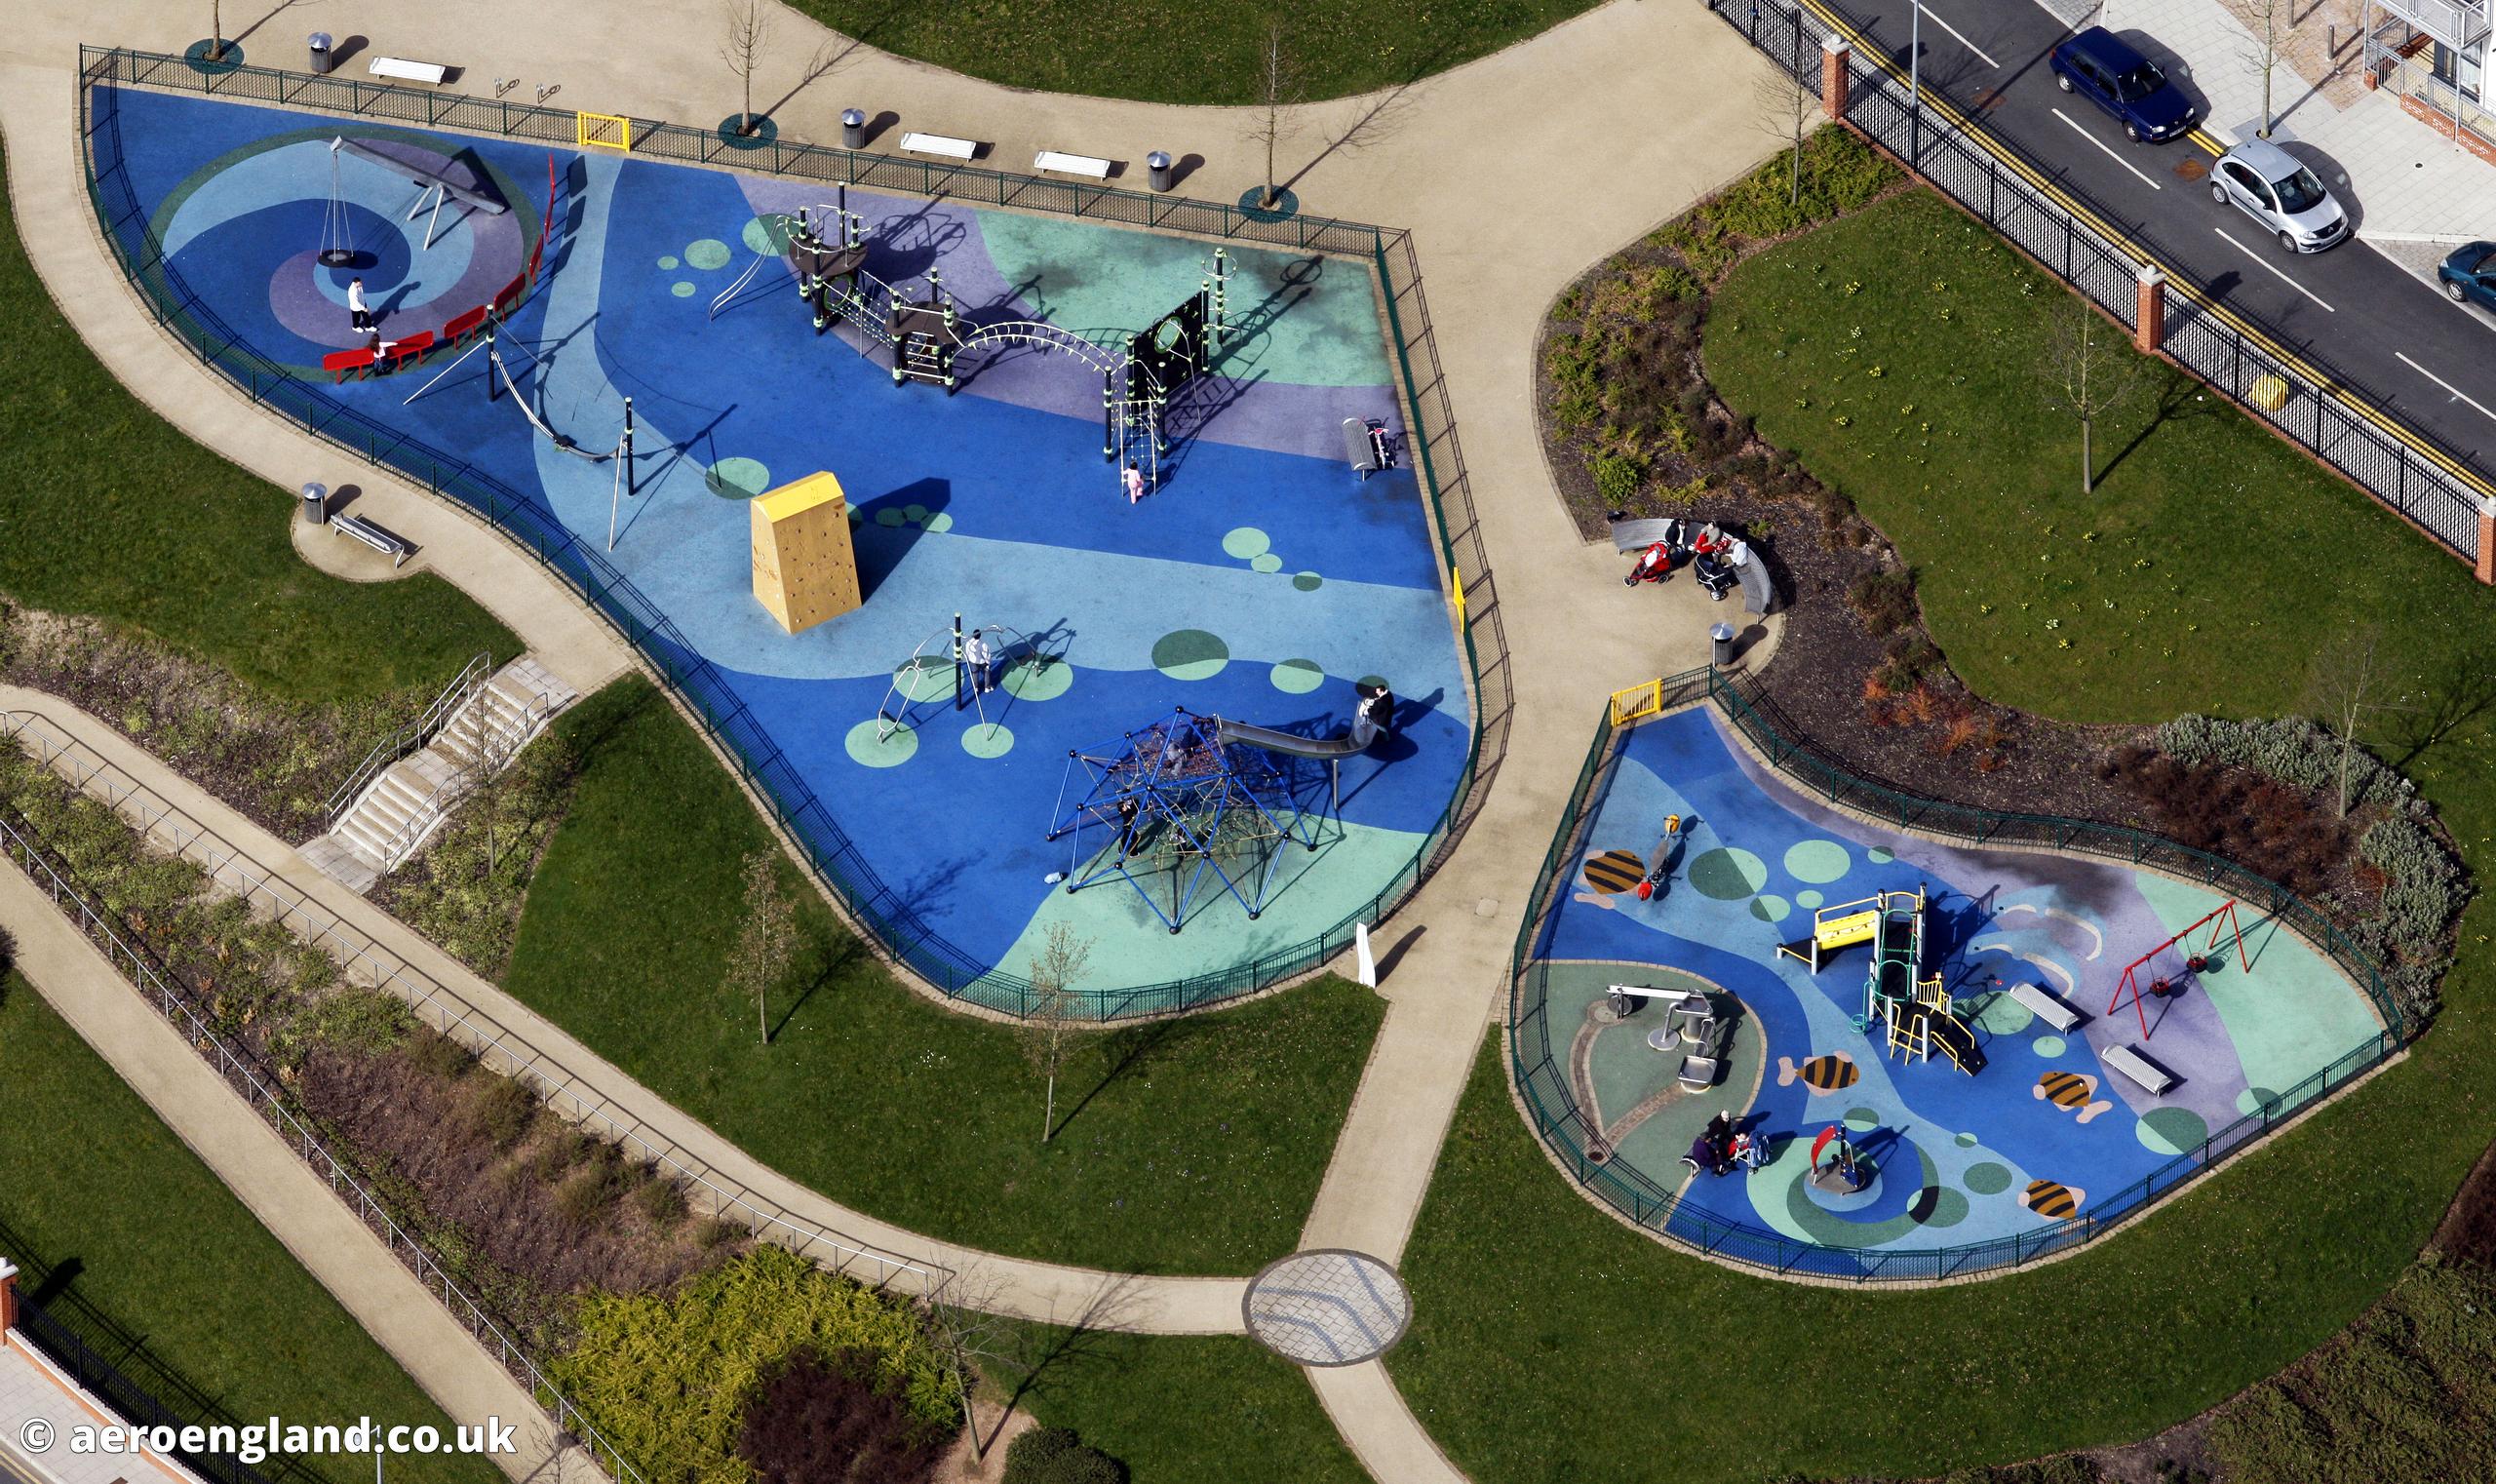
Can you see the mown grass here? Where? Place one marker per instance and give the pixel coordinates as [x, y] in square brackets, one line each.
[1213, 1408]
[2210, 570]
[1159, 52]
[1187, 1146]
[107, 510]
[125, 1216]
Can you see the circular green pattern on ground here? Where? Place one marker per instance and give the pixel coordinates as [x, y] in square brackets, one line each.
[1949, 1208]
[1245, 543]
[889, 751]
[1966, 1140]
[1190, 655]
[888, 516]
[1728, 873]
[739, 479]
[681, 289]
[1817, 861]
[2172, 1130]
[939, 521]
[1268, 562]
[1028, 680]
[1308, 582]
[768, 235]
[1372, 679]
[668, 263]
[1988, 1179]
[2049, 1046]
[1880, 855]
[2252, 1099]
[916, 514]
[1807, 899]
[1297, 676]
[2003, 1015]
[1770, 909]
[931, 679]
[707, 253]
[1862, 1119]
[988, 739]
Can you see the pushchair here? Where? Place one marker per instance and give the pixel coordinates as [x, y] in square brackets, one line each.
[1719, 570]
[1655, 563]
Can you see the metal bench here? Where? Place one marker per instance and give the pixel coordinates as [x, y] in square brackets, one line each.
[1070, 165]
[2045, 1006]
[374, 536]
[1758, 592]
[1621, 996]
[940, 145]
[432, 72]
[2153, 1078]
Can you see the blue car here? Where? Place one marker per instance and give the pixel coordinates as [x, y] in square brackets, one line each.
[2468, 275]
[2099, 67]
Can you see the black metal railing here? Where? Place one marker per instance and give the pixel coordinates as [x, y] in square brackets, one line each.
[1542, 1082]
[873, 907]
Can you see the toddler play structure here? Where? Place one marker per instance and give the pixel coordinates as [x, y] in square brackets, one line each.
[1190, 804]
[1897, 993]
[805, 569]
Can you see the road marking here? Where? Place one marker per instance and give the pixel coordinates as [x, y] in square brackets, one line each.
[2109, 150]
[2207, 140]
[1963, 41]
[2274, 270]
[2446, 385]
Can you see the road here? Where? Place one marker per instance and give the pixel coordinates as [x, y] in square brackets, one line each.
[2388, 335]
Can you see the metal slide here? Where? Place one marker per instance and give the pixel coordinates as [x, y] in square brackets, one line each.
[1274, 741]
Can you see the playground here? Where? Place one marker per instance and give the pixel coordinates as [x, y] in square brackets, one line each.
[1992, 1044]
[1119, 546]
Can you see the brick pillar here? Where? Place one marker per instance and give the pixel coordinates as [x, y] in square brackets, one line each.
[8, 1298]
[1834, 57]
[2487, 539]
[2148, 310]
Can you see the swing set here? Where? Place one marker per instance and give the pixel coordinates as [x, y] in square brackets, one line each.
[2221, 921]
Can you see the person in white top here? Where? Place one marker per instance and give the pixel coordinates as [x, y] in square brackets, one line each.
[983, 662]
[1135, 483]
[356, 305]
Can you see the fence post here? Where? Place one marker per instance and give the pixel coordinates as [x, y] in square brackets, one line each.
[1834, 57]
[2149, 319]
[2486, 565]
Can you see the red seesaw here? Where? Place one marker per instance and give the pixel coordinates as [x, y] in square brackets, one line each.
[2132, 981]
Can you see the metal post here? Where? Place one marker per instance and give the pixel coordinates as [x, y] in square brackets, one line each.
[492, 359]
[628, 448]
[1915, 87]
[958, 701]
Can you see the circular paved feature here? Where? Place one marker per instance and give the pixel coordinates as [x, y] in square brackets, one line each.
[1327, 1307]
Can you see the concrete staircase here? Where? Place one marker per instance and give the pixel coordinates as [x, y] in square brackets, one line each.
[402, 806]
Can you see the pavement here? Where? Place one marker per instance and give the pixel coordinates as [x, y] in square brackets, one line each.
[1514, 173]
[32, 1390]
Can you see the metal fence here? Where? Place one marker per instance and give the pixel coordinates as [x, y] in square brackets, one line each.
[876, 909]
[499, 1047]
[1542, 1082]
[2435, 487]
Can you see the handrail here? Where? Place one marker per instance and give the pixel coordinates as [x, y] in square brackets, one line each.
[404, 840]
[406, 738]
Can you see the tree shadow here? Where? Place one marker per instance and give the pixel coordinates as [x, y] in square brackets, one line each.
[1379, 119]
[2461, 692]
[1128, 1047]
[2176, 403]
[842, 952]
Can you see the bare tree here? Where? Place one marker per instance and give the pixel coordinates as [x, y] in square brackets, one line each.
[2348, 690]
[767, 939]
[1054, 1010]
[973, 1337]
[215, 30]
[1280, 95]
[2269, 19]
[493, 753]
[749, 37]
[2092, 371]
[1784, 108]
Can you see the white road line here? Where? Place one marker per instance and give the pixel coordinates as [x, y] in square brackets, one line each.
[2109, 150]
[1963, 41]
[2274, 270]
[2446, 385]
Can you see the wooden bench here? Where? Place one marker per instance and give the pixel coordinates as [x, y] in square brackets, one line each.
[2045, 1006]
[374, 536]
[940, 145]
[2153, 1078]
[429, 72]
[1070, 165]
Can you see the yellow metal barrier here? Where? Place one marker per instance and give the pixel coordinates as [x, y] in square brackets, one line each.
[1456, 586]
[602, 131]
[1637, 701]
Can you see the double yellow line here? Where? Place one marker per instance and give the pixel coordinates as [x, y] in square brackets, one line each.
[1861, 46]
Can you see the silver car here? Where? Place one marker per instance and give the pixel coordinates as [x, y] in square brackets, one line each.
[2268, 184]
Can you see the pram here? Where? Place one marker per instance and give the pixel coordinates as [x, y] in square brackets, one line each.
[1719, 570]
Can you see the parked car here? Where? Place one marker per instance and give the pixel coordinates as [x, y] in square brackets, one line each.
[2101, 66]
[2468, 275]
[2273, 188]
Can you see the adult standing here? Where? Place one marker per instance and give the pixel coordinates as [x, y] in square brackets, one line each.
[356, 306]
[983, 662]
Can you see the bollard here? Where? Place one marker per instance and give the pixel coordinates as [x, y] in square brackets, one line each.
[316, 504]
[853, 129]
[1723, 635]
[1157, 167]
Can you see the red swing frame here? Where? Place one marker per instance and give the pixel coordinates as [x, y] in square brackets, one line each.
[2130, 982]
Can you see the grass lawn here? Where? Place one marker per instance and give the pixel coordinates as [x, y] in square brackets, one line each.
[1186, 1410]
[213, 1297]
[1522, 1290]
[1187, 1146]
[109, 511]
[1192, 53]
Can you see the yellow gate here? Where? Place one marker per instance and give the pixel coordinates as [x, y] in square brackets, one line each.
[602, 131]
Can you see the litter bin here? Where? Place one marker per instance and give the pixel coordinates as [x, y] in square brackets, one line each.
[853, 129]
[320, 51]
[316, 504]
[1156, 166]
[1723, 634]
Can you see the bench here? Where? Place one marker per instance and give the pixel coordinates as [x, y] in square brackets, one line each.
[2045, 1006]
[374, 536]
[398, 353]
[2153, 1078]
[338, 363]
[431, 72]
[1758, 592]
[1621, 994]
[940, 145]
[1070, 165]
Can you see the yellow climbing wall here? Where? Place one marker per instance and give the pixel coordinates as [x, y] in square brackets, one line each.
[805, 569]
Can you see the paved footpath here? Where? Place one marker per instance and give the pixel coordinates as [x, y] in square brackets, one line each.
[1515, 173]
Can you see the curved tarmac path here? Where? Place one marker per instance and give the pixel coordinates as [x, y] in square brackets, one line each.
[1515, 173]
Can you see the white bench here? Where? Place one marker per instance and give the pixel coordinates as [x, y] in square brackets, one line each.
[1070, 165]
[940, 145]
[374, 536]
[432, 72]
[2046, 1007]
[2154, 1078]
